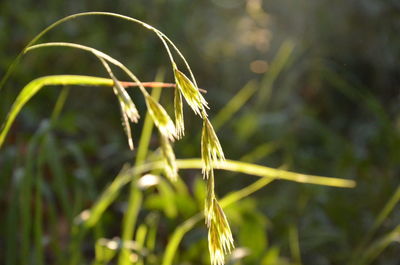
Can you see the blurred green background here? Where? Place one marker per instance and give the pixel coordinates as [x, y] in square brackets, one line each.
[317, 92]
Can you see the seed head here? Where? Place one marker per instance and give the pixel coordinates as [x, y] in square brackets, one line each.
[220, 241]
[127, 105]
[191, 93]
[161, 118]
[179, 122]
[209, 202]
[127, 126]
[170, 169]
[211, 150]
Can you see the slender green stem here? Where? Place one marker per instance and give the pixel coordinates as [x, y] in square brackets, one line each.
[186, 226]
[97, 53]
[130, 219]
[240, 194]
[294, 244]
[159, 34]
[371, 253]
[110, 193]
[268, 174]
[262, 171]
[59, 104]
[387, 209]
[38, 213]
[135, 198]
[148, 125]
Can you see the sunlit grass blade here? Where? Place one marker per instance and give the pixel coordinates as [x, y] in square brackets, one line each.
[371, 253]
[186, 226]
[60, 178]
[383, 215]
[144, 142]
[281, 60]
[36, 85]
[268, 172]
[90, 217]
[294, 244]
[259, 152]
[164, 39]
[234, 105]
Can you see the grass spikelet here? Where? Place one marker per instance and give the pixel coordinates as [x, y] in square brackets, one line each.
[191, 93]
[211, 150]
[161, 118]
[214, 246]
[127, 104]
[209, 202]
[127, 127]
[178, 107]
[220, 240]
[224, 230]
[170, 169]
[128, 107]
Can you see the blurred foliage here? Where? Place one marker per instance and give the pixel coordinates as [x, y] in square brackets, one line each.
[323, 99]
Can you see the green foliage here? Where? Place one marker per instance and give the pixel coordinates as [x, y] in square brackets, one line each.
[326, 104]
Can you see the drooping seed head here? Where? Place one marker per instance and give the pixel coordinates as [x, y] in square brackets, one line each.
[127, 104]
[128, 107]
[214, 246]
[223, 227]
[161, 118]
[191, 93]
[127, 126]
[220, 240]
[209, 201]
[178, 107]
[211, 150]
[170, 168]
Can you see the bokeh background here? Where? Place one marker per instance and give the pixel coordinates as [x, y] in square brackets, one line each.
[317, 89]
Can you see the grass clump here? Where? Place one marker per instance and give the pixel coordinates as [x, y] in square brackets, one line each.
[220, 238]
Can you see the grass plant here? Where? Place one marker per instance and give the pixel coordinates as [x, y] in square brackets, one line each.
[138, 248]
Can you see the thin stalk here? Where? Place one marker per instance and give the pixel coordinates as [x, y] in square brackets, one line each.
[27, 190]
[148, 124]
[89, 218]
[95, 52]
[376, 249]
[130, 219]
[38, 213]
[140, 240]
[240, 194]
[135, 198]
[159, 34]
[12, 227]
[383, 215]
[294, 244]
[234, 105]
[262, 171]
[59, 104]
[186, 226]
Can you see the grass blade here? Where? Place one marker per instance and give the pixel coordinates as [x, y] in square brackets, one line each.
[234, 105]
